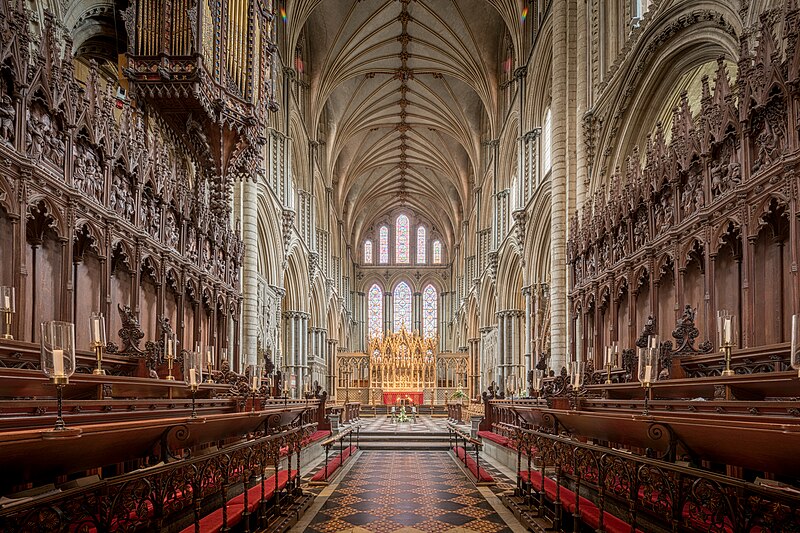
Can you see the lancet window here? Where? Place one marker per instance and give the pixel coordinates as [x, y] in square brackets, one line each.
[384, 239]
[375, 311]
[402, 240]
[429, 312]
[402, 306]
[421, 245]
[437, 252]
[368, 252]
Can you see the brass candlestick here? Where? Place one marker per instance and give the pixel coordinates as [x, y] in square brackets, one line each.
[726, 349]
[98, 352]
[170, 359]
[210, 368]
[608, 373]
[7, 306]
[7, 334]
[646, 386]
[726, 335]
[193, 387]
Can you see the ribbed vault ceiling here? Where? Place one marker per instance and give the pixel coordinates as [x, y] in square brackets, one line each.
[403, 89]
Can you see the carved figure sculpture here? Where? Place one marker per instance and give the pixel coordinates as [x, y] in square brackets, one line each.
[7, 116]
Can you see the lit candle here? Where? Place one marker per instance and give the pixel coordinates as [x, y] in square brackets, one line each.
[728, 330]
[648, 373]
[192, 377]
[7, 302]
[169, 342]
[58, 363]
[255, 382]
[210, 355]
[96, 329]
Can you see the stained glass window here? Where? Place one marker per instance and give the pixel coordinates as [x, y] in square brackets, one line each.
[375, 311]
[384, 235]
[429, 315]
[368, 251]
[402, 306]
[402, 239]
[421, 245]
[437, 252]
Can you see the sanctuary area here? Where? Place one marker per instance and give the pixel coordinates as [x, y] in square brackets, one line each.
[399, 266]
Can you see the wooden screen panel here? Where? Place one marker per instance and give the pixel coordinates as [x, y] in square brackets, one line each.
[694, 295]
[148, 301]
[88, 274]
[120, 295]
[623, 320]
[7, 245]
[643, 307]
[728, 282]
[666, 306]
[768, 289]
[44, 292]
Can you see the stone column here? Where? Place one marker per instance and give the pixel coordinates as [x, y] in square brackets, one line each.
[387, 313]
[514, 333]
[249, 273]
[558, 188]
[332, 369]
[526, 291]
[501, 349]
[416, 310]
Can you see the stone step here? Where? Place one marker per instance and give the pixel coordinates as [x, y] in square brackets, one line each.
[413, 446]
[401, 438]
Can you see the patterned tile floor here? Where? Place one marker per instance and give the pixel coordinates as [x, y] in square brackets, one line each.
[400, 491]
[423, 423]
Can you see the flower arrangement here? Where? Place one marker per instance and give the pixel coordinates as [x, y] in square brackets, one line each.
[402, 416]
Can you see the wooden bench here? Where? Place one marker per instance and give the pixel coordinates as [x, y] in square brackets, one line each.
[332, 465]
[481, 475]
[234, 511]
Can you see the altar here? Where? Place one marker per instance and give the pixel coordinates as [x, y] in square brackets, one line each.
[400, 365]
[391, 398]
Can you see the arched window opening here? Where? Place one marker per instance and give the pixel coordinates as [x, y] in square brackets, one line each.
[402, 306]
[402, 240]
[429, 312]
[421, 245]
[437, 252]
[368, 252]
[375, 311]
[384, 237]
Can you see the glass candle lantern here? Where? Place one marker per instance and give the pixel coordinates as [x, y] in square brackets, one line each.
[97, 336]
[7, 308]
[58, 350]
[192, 369]
[255, 378]
[576, 370]
[511, 384]
[648, 366]
[209, 363]
[170, 353]
[537, 380]
[193, 375]
[255, 383]
[726, 328]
